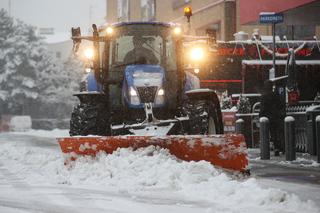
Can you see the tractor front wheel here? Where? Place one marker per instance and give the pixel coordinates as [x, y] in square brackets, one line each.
[89, 119]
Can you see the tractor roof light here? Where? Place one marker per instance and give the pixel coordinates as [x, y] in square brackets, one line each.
[188, 12]
[88, 69]
[109, 30]
[89, 53]
[197, 54]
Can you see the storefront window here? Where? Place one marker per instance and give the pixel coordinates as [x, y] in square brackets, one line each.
[296, 32]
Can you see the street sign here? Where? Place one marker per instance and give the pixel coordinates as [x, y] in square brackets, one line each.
[271, 18]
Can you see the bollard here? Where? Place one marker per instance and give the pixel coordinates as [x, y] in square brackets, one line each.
[239, 126]
[318, 137]
[264, 139]
[290, 142]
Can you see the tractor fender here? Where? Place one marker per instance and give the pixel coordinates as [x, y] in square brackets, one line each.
[210, 95]
[85, 97]
[89, 83]
[202, 94]
[90, 89]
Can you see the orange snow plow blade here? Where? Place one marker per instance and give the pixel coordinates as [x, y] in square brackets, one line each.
[226, 151]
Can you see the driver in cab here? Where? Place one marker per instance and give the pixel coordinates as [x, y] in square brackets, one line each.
[140, 54]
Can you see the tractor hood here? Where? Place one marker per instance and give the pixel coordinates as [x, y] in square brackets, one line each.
[144, 75]
[142, 85]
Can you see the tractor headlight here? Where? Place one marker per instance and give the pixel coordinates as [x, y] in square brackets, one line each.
[133, 96]
[133, 92]
[161, 92]
[197, 54]
[160, 97]
[89, 53]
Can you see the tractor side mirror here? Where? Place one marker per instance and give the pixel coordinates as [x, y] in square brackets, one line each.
[76, 34]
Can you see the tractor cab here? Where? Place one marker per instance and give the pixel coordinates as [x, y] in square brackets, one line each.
[142, 63]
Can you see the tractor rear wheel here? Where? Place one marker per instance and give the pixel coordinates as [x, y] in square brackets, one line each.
[89, 119]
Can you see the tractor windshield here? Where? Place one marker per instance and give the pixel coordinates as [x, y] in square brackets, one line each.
[142, 44]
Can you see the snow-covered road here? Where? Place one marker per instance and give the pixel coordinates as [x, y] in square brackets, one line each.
[34, 179]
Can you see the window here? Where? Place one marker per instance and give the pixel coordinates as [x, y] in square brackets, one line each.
[123, 10]
[179, 3]
[148, 10]
[296, 32]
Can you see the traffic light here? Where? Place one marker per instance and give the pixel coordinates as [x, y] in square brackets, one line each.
[188, 12]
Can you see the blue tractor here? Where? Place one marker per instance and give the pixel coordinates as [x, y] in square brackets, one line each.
[137, 83]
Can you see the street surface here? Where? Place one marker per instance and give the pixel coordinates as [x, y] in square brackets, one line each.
[34, 179]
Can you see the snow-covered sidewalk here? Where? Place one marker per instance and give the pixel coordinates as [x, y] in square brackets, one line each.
[144, 180]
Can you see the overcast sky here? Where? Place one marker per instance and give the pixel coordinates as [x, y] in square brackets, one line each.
[59, 14]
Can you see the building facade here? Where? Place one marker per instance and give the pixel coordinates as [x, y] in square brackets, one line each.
[301, 17]
[218, 16]
[223, 17]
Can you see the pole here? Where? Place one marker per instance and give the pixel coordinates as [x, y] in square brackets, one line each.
[318, 137]
[274, 48]
[189, 27]
[243, 73]
[264, 139]
[239, 126]
[9, 7]
[290, 142]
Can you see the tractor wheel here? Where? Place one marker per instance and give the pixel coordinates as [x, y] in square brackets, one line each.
[89, 119]
[203, 118]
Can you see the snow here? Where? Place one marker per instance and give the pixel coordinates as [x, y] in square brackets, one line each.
[56, 133]
[141, 78]
[144, 180]
[313, 108]
[233, 109]
[3, 94]
[199, 90]
[289, 119]
[318, 118]
[278, 78]
[246, 95]
[301, 162]
[267, 13]
[240, 120]
[20, 123]
[280, 62]
[263, 119]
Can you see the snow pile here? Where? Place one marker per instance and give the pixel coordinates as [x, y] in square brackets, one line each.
[148, 171]
[20, 123]
[301, 161]
[56, 133]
